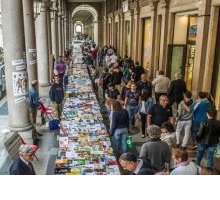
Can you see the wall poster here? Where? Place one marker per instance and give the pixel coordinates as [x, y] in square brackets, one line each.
[20, 83]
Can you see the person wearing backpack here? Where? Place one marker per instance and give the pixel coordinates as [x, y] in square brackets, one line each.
[136, 166]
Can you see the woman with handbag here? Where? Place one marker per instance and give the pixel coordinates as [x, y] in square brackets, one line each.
[119, 127]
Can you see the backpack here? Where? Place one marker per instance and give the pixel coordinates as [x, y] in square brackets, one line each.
[54, 124]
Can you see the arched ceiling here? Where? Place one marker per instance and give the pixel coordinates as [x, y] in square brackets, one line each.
[83, 15]
[85, 1]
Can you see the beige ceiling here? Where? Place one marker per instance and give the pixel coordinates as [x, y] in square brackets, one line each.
[85, 0]
[83, 15]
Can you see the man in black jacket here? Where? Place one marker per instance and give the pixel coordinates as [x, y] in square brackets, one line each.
[56, 95]
[208, 138]
[137, 166]
[139, 70]
[22, 165]
[176, 90]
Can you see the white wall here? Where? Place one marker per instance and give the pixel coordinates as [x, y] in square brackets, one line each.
[1, 39]
[180, 29]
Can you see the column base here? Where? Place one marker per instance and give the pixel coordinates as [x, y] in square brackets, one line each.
[44, 84]
[24, 132]
[27, 136]
[20, 129]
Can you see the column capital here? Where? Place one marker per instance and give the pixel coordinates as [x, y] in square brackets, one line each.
[153, 5]
[205, 8]
[164, 3]
[131, 13]
[121, 15]
[137, 11]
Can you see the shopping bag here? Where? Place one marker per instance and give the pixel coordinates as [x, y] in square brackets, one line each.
[54, 124]
[129, 142]
[217, 153]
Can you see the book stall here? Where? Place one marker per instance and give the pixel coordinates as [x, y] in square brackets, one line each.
[84, 144]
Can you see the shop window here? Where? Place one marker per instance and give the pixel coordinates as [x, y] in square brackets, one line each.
[176, 60]
[78, 28]
[181, 54]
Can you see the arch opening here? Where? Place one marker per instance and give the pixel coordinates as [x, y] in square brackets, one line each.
[88, 16]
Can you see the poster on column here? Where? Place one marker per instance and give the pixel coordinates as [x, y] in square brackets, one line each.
[19, 83]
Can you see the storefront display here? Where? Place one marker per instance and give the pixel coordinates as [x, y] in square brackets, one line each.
[181, 54]
[84, 144]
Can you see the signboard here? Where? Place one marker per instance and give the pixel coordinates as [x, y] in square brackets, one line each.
[12, 146]
[125, 6]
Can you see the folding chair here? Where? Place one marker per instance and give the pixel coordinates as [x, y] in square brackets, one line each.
[45, 113]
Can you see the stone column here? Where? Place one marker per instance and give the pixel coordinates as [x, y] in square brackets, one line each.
[54, 32]
[49, 40]
[136, 36]
[100, 32]
[60, 35]
[158, 30]
[211, 48]
[201, 46]
[132, 33]
[122, 35]
[42, 47]
[64, 36]
[30, 41]
[113, 31]
[164, 36]
[153, 31]
[140, 40]
[15, 66]
[67, 32]
[95, 23]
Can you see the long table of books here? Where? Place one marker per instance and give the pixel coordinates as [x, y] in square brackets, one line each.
[84, 144]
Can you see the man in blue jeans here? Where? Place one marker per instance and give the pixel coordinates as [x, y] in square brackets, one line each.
[208, 138]
[119, 127]
[132, 103]
[199, 115]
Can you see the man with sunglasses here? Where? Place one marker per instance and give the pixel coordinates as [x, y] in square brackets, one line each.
[23, 164]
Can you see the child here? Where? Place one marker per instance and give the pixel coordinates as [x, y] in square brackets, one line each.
[168, 134]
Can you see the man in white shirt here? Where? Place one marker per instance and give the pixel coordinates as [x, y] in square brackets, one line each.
[161, 85]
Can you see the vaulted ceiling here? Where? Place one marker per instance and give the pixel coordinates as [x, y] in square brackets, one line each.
[85, 1]
[83, 15]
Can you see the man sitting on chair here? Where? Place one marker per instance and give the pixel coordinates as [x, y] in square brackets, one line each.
[22, 165]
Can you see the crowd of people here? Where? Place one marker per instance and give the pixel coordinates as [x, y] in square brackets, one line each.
[165, 109]
[129, 97]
